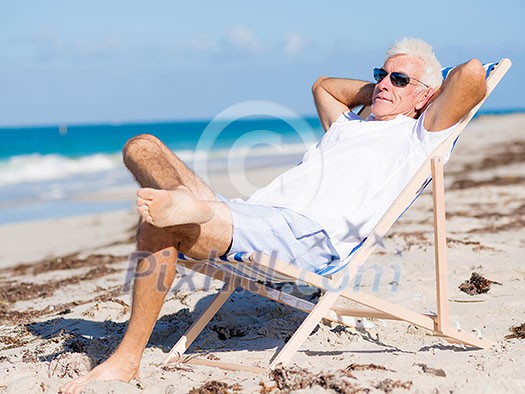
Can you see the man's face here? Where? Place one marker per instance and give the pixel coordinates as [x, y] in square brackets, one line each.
[389, 100]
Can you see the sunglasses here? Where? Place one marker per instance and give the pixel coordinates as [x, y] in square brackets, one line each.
[398, 79]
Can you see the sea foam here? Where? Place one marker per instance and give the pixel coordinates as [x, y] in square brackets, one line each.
[36, 167]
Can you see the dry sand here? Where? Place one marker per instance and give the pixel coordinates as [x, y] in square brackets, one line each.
[63, 306]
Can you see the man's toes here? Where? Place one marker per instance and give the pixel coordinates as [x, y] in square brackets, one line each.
[143, 209]
[141, 201]
[147, 193]
[147, 217]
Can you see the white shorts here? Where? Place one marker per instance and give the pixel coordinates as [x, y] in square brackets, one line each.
[292, 237]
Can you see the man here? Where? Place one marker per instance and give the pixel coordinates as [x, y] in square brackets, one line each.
[310, 215]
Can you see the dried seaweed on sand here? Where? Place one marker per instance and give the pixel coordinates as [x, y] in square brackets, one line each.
[477, 284]
[289, 379]
[517, 332]
[388, 385]
[216, 387]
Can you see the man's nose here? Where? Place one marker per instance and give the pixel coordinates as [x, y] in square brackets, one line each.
[385, 83]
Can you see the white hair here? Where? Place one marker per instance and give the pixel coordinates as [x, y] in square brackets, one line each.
[416, 47]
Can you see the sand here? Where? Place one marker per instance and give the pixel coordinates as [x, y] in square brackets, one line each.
[64, 300]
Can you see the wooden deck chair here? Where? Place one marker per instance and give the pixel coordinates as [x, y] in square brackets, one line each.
[249, 272]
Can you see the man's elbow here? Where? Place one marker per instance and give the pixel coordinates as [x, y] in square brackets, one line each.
[318, 83]
[475, 72]
[475, 69]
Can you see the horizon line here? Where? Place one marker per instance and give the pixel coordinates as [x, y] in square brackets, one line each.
[488, 111]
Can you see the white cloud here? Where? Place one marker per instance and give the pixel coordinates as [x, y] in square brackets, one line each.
[48, 37]
[293, 45]
[241, 38]
[46, 43]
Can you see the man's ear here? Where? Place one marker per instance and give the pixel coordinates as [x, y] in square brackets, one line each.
[425, 99]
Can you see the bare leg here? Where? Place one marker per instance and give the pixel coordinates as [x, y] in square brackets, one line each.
[153, 165]
[154, 276]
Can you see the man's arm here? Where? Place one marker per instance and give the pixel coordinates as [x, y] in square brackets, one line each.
[463, 89]
[334, 96]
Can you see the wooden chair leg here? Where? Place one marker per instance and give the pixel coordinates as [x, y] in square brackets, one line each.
[314, 317]
[193, 332]
[440, 244]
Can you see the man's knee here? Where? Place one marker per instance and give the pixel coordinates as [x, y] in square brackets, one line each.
[140, 145]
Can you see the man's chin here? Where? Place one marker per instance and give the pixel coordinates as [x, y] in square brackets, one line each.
[380, 110]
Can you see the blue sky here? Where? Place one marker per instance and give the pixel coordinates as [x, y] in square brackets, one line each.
[65, 61]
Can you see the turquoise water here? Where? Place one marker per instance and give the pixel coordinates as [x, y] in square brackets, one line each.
[51, 172]
[46, 172]
[83, 140]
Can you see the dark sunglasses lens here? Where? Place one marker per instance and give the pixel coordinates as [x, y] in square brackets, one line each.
[399, 80]
[379, 74]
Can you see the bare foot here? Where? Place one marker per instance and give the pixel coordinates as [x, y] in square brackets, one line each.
[163, 208]
[114, 368]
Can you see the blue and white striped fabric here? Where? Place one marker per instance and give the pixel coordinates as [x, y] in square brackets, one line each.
[248, 270]
[488, 69]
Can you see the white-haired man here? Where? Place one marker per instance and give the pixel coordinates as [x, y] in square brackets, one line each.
[312, 214]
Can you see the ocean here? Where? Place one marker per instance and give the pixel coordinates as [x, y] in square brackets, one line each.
[62, 170]
[65, 170]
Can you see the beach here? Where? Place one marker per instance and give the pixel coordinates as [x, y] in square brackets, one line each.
[65, 296]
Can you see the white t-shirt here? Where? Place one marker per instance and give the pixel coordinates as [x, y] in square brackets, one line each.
[349, 179]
